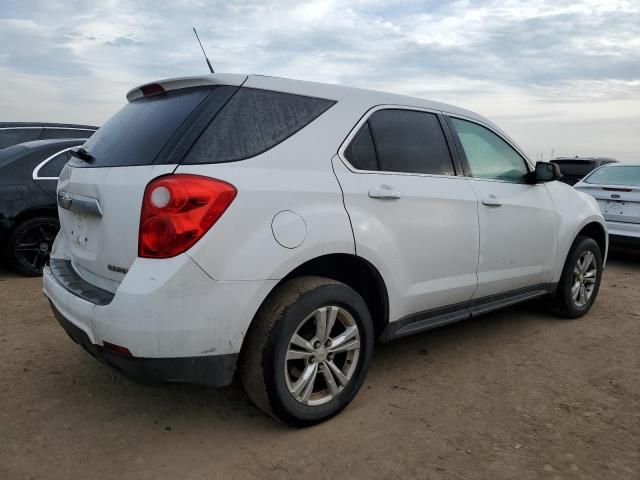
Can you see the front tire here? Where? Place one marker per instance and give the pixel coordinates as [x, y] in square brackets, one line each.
[580, 280]
[308, 350]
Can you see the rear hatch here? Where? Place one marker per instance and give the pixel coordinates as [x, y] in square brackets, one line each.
[100, 195]
[617, 190]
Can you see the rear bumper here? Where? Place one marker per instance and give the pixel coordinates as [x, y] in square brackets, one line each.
[211, 370]
[178, 323]
[619, 231]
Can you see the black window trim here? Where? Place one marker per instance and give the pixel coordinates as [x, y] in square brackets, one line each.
[463, 156]
[36, 170]
[455, 159]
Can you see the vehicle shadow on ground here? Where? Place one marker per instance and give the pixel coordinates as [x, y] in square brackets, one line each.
[171, 406]
[7, 274]
[623, 257]
[191, 406]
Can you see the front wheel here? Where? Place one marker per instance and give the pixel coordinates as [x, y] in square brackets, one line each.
[580, 280]
[308, 351]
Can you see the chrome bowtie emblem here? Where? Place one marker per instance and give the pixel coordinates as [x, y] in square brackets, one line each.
[64, 200]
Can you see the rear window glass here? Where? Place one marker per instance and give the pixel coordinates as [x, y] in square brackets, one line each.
[138, 132]
[13, 136]
[615, 176]
[252, 122]
[576, 168]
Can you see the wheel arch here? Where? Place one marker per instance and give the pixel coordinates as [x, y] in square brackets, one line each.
[35, 212]
[24, 216]
[596, 231]
[351, 270]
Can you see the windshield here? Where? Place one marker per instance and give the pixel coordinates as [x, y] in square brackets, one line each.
[617, 175]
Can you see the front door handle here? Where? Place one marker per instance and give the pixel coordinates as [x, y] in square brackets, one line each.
[491, 201]
[384, 192]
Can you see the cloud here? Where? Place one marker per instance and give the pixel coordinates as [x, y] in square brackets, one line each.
[549, 62]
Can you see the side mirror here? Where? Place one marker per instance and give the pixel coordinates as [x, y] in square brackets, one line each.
[546, 172]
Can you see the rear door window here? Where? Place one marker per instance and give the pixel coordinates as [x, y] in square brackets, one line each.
[252, 122]
[410, 141]
[13, 136]
[361, 152]
[139, 131]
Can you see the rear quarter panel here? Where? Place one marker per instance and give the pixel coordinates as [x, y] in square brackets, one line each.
[295, 175]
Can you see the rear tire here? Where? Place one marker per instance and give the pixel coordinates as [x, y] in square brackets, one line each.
[29, 245]
[288, 344]
[580, 280]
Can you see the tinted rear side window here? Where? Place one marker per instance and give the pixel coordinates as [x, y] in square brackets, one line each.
[48, 133]
[410, 141]
[13, 136]
[252, 122]
[53, 167]
[138, 132]
[361, 152]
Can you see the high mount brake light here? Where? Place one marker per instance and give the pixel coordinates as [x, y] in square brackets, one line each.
[177, 210]
[152, 89]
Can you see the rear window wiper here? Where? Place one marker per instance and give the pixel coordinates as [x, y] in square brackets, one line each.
[82, 154]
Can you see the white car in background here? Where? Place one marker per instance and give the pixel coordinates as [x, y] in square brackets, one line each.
[276, 228]
[616, 187]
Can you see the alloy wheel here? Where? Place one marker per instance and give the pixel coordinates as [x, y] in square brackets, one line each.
[584, 278]
[33, 246]
[322, 356]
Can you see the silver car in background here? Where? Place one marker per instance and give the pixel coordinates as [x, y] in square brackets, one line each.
[616, 187]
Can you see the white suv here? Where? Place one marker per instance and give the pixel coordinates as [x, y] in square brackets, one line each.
[276, 228]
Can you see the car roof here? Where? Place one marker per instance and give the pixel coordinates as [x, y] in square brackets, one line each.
[315, 89]
[620, 164]
[45, 124]
[36, 144]
[584, 159]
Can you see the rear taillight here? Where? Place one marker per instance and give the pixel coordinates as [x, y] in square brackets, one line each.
[177, 210]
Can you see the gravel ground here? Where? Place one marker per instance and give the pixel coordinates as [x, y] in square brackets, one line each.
[514, 394]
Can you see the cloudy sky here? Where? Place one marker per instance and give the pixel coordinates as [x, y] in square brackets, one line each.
[561, 75]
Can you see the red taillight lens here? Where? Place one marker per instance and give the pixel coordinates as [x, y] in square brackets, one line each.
[177, 210]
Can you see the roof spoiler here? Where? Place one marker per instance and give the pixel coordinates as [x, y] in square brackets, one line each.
[166, 85]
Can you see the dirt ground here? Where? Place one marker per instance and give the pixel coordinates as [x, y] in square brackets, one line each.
[514, 394]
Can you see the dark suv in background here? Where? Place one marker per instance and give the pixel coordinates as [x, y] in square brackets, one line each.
[576, 168]
[12, 133]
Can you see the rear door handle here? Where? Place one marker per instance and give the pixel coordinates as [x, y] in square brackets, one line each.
[384, 192]
[491, 201]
